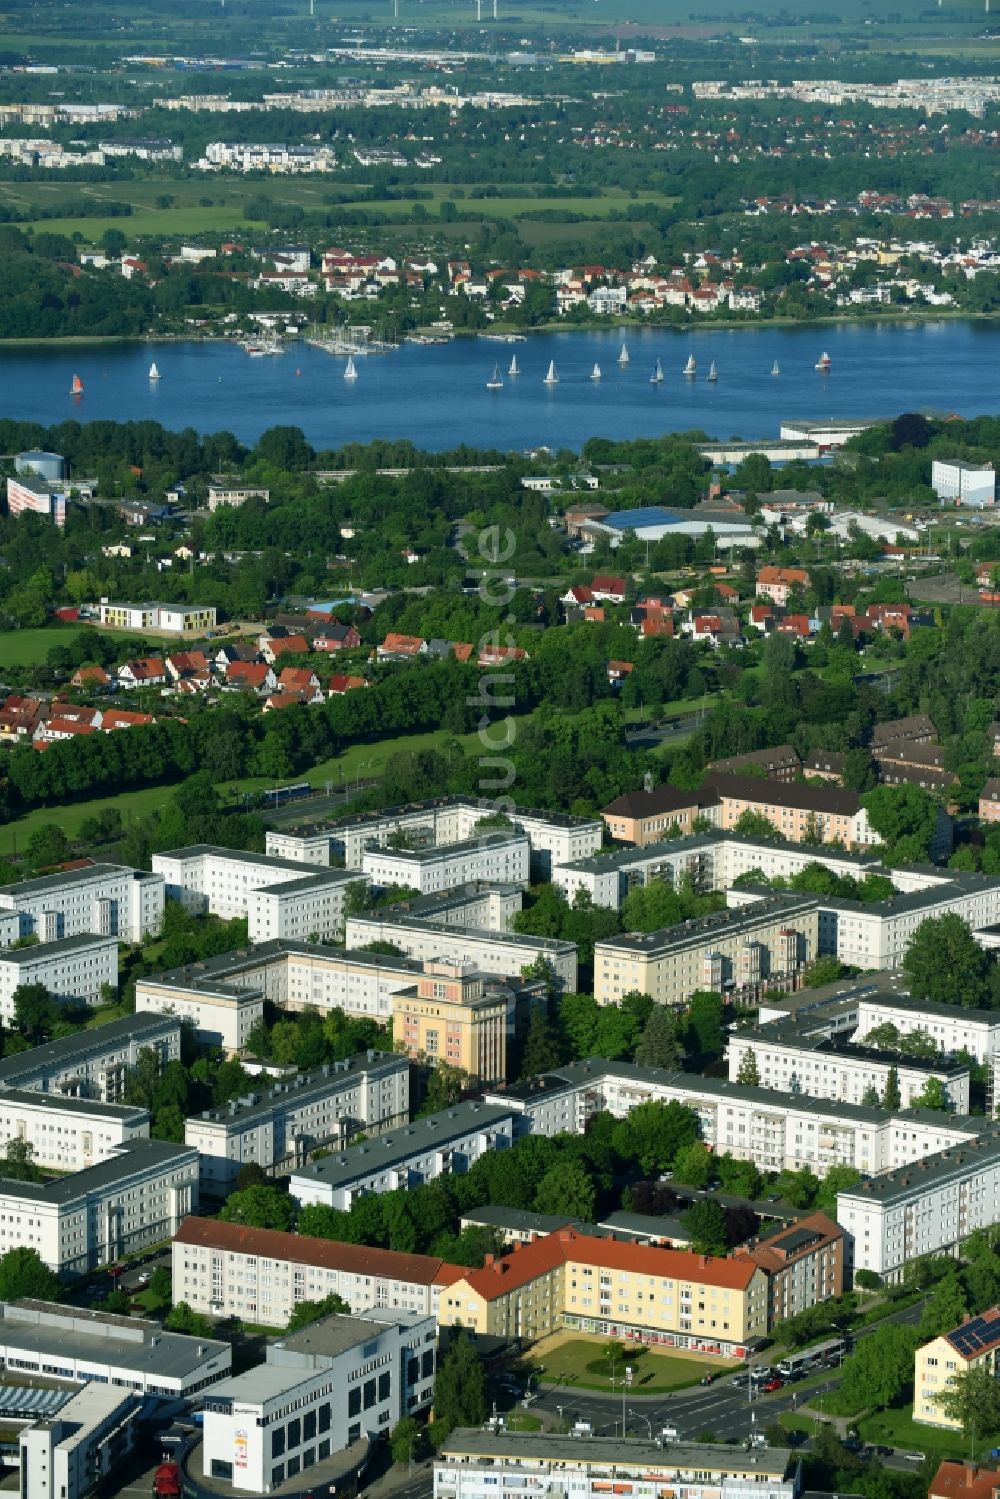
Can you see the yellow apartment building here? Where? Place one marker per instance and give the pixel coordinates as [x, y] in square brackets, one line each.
[974, 1345]
[451, 1019]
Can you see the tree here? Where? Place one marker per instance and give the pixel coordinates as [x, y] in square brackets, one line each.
[752, 824]
[705, 1037]
[407, 1440]
[870, 1097]
[260, 1207]
[891, 1097]
[652, 1133]
[868, 1280]
[34, 1012]
[182, 1318]
[541, 1045]
[567, 1191]
[933, 1096]
[945, 963]
[659, 1045]
[947, 1308]
[460, 1387]
[823, 970]
[306, 1312]
[898, 813]
[972, 1398]
[18, 1161]
[23, 1273]
[693, 1165]
[749, 1072]
[445, 1086]
[706, 1223]
[741, 1178]
[880, 1368]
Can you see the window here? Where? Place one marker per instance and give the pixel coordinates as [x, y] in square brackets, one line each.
[278, 1442]
[309, 1426]
[354, 1401]
[384, 1387]
[294, 1437]
[369, 1394]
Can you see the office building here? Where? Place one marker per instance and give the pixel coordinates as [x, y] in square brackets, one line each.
[68, 1134]
[451, 1142]
[260, 1275]
[491, 952]
[172, 619]
[43, 1339]
[66, 1455]
[497, 858]
[80, 968]
[93, 1063]
[108, 900]
[732, 950]
[320, 1390]
[958, 483]
[974, 1345]
[277, 1126]
[452, 1018]
[476, 1464]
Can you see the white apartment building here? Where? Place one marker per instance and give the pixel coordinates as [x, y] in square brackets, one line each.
[135, 1197]
[494, 952]
[953, 1029]
[109, 900]
[497, 858]
[446, 1143]
[95, 1063]
[260, 1275]
[958, 483]
[877, 934]
[173, 619]
[29, 494]
[68, 1134]
[276, 1127]
[793, 1060]
[223, 881]
[222, 1015]
[320, 1390]
[74, 968]
[555, 838]
[63, 1456]
[44, 1338]
[477, 1464]
[309, 908]
[928, 1207]
[235, 495]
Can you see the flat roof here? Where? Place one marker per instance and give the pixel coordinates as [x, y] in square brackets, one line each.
[546, 1447]
[31, 1098]
[625, 858]
[40, 952]
[442, 803]
[717, 923]
[391, 918]
[303, 1086]
[888, 999]
[67, 878]
[442, 852]
[383, 1152]
[212, 971]
[130, 1343]
[62, 1051]
[235, 855]
[933, 1170]
[316, 880]
[128, 1160]
[794, 1032]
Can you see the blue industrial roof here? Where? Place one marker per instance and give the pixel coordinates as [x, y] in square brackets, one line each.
[645, 515]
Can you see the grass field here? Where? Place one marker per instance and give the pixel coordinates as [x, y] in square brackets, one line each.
[131, 805]
[897, 1428]
[654, 1372]
[31, 647]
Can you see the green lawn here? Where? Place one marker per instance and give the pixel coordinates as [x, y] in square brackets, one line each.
[30, 647]
[131, 804]
[897, 1428]
[654, 1372]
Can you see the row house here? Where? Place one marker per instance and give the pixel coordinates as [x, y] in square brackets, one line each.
[145, 671]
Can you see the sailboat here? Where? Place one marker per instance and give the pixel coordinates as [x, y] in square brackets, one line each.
[495, 382]
[515, 368]
[350, 373]
[690, 367]
[623, 356]
[76, 388]
[551, 378]
[595, 373]
[824, 361]
[154, 373]
[776, 368]
[656, 378]
[713, 373]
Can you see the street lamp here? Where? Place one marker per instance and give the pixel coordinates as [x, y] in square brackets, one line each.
[640, 1417]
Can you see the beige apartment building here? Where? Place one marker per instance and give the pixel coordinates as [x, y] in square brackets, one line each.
[730, 950]
[974, 1345]
[450, 1018]
[670, 1297]
[646, 816]
[801, 813]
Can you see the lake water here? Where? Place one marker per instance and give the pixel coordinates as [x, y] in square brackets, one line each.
[436, 396]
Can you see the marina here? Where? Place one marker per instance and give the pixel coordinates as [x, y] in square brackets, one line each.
[436, 395]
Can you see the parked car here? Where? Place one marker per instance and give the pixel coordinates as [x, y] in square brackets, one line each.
[773, 1384]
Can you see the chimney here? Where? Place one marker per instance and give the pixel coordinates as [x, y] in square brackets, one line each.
[488, 1261]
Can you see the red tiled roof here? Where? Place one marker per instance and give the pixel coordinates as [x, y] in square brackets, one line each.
[962, 1481]
[121, 718]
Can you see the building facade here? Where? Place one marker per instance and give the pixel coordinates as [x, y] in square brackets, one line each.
[74, 968]
[68, 1134]
[93, 1063]
[224, 882]
[491, 952]
[495, 857]
[108, 900]
[974, 1345]
[173, 619]
[452, 1018]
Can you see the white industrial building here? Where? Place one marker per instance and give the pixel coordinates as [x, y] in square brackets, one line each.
[448, 1143]
[260, 1274]
[75, 968]
[68, 1134]
[135, 1197]
[555, 837]
[223, 882]
[47, 1340]
[493, 952]
[64, 1456]
[321, 1389]
[108, 900]
[928, 1207]
[277, 1126]
[792, 1058]
[496, 858]
[958, 483]
[93, 1063]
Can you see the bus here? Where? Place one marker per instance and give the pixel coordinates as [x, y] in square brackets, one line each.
[797, 1364]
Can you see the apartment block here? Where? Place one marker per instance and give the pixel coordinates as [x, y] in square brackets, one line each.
[68, 1134]
[927, 1207]
[277, 1126]
[319, 1390]
[804, 1265]
[974, 1345]
[478, 1464]
[173, 619]
[93, 1063]
[222, 1014]
[75, 968]
[135, 1197]
[792, 1058]
[497, 858]
[64, 1456]
[224, 882]
[876, 934]
[958, 483]
[29, 494]
[951, 1028]
[108, 900]
[732, 950]
[492, 952]
[307, 909]
[451, 1142]
[555, 838]
[574, 1281]
[452, 1018]
[260, 1275]
[650, 815]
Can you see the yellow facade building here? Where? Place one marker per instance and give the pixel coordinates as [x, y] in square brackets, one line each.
[974, 1345]
[451, 1019]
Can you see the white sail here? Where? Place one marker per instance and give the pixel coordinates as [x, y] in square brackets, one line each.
[495, 382]
[656, 377]
[350, 373]
[775, 368]
[595, 373]
[154, 373]
[824, 361]
[514, 367]
[713, 373]
[623, 357]
[551, 377]
[691, 366]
